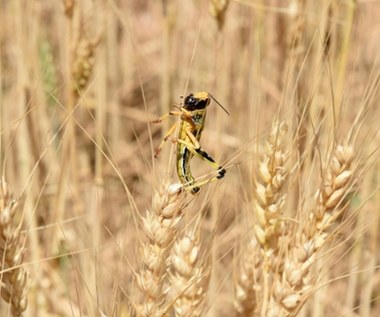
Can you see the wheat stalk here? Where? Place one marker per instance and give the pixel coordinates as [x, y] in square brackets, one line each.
[160, 226]
[189, 277]
[295, 283]
[14, 278]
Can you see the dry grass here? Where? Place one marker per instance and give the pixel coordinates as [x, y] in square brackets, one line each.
[292, 229]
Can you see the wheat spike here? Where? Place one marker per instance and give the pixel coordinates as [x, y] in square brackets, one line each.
[84, 63]
[269, 196]
[189, 277]
[14, 278]
[160, 226]
[218, 10]
[247, 286]
[295, 284]
[260, 261]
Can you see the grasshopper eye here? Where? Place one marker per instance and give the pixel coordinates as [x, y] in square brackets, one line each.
[193, 103]
[190, 100]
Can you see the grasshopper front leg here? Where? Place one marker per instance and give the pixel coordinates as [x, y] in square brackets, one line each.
[191, 147]
[170, 131]
[166, 137]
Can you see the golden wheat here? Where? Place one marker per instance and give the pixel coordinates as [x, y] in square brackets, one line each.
[269, 197]
[74, 139]
[189, 277]
[14, 278]
[160, 227]
[247, 285]
[218, 10]
[296, 282]
[268, 206]
[83, 64]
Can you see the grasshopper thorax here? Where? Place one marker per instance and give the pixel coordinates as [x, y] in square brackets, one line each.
[197, 101]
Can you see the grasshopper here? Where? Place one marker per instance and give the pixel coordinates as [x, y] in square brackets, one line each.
[192, 121]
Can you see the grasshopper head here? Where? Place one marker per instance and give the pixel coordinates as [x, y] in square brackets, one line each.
[197, 101]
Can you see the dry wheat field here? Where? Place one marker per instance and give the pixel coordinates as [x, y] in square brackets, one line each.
[92, 224]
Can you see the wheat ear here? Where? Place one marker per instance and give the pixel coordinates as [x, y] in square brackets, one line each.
[189, 277]
[269, 197]
[218, 10]
[269, 203]
[160, 226]
[295, 284]
[14, 278]
[247, 285]
[269, 200]
[84, 63]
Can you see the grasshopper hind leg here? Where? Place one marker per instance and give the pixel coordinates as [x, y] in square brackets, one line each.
[195, 190]
[184, 172]
[183, 166]
[207, 157]
[222, 172]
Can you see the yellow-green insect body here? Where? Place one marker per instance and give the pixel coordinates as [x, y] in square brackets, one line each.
[193, 116]
[190, 125]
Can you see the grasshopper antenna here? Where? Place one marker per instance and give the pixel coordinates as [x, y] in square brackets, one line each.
[219, 104]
